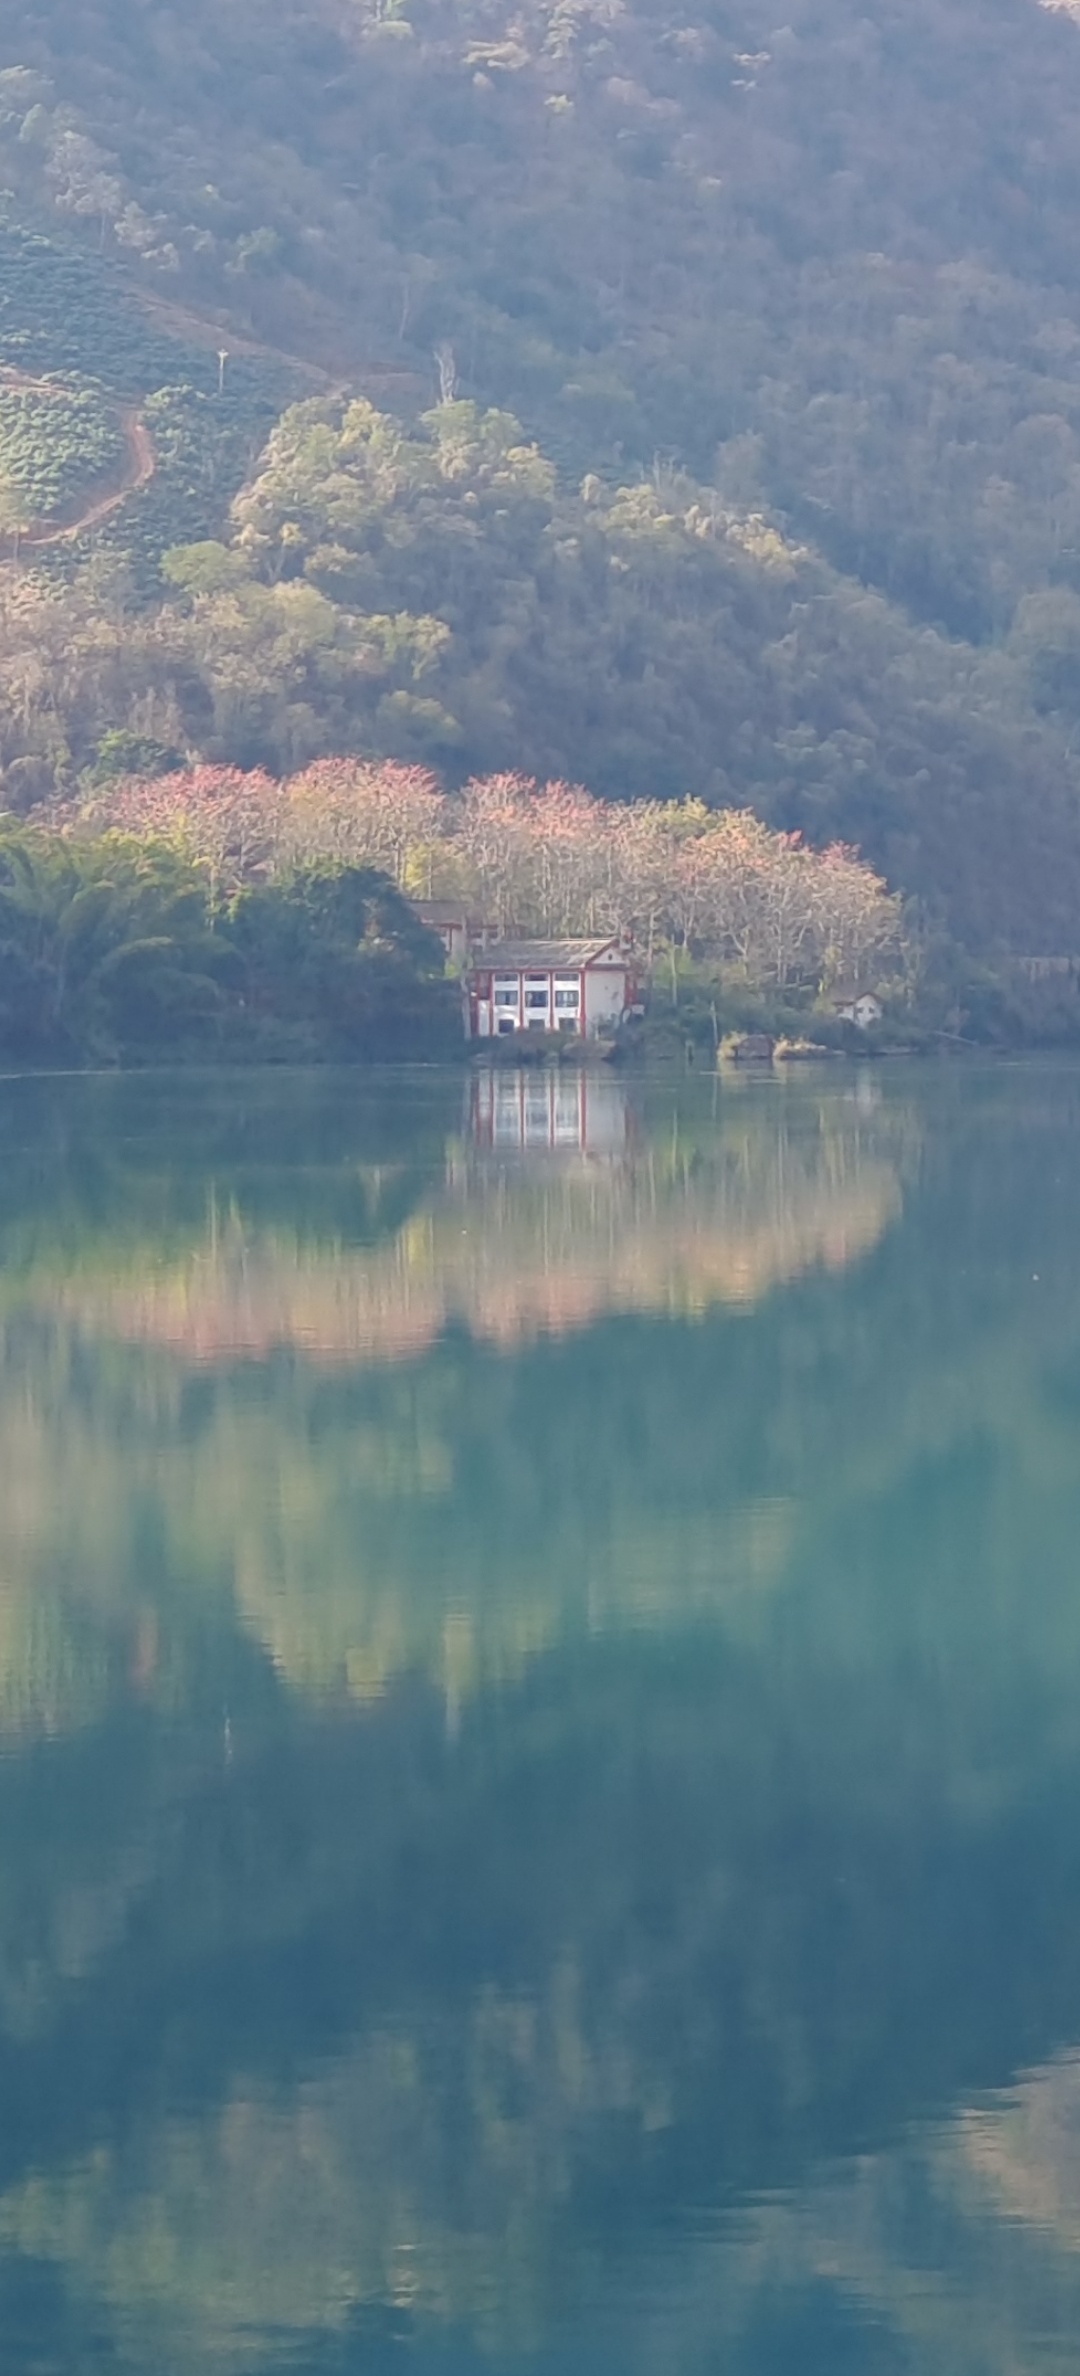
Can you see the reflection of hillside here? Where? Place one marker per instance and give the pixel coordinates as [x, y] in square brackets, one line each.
[289, 2210]
[912, 2251]
[549, 1214]
[357, 1547]
[458, 1516]
[724, 1903]
[434, 2169]
[346, 1540]
[1023, 2157]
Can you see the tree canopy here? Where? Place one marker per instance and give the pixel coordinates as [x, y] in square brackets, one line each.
[687, 408]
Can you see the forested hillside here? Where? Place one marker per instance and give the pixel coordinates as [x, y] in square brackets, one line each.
[690, 404]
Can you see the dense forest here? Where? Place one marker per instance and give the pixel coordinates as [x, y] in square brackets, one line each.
[210, 913]
[116, 947]
[665, 401]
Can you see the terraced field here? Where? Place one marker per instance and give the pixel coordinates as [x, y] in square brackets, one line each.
[113, 424]
[61, 446]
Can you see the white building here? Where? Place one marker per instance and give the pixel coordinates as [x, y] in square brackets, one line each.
[584, 987]
[859, 1007]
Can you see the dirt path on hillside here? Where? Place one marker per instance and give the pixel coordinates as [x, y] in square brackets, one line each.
[141, 460]
[139, 468]
[203, 330]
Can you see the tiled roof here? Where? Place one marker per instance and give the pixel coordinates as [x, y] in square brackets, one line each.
[543, 956]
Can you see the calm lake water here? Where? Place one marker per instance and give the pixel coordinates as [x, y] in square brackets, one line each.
[540, 1725]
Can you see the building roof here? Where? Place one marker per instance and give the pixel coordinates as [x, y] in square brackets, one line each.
[444, 911]
[542, 956]
[849, 993]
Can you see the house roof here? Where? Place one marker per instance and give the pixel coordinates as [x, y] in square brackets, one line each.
[544, 956]
[444, 911]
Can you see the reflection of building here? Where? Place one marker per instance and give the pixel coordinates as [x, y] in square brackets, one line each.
[584, 987]
[564, 1112]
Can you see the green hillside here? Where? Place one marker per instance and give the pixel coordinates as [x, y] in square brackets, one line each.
[55, 442]
[81, 358]
[807, 295]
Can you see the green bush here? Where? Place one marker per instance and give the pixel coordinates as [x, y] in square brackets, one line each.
[56, 444]
[108, 954]
[332, 961]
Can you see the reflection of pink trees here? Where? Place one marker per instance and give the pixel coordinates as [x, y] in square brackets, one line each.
[541, 858]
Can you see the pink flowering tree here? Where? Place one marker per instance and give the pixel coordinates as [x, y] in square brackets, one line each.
[364, 812]
[227, 820]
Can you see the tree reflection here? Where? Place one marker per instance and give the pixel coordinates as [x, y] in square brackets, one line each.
[562, 1198]
[566, 1827]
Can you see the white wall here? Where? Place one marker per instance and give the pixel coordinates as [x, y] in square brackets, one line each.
[605, 995]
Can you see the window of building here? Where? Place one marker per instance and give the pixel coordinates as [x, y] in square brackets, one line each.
[506, 994]
[506, 1023]
[567, 1131]
[536, 998]
[567, 997]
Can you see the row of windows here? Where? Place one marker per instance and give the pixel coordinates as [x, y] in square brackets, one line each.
[567, 994]
[507, 1023]
[544, 999]
[536, 982]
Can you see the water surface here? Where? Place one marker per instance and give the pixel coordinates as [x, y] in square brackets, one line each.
[540, 1724]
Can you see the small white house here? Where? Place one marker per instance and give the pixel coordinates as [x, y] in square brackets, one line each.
[580, 987]
[861, 1008]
